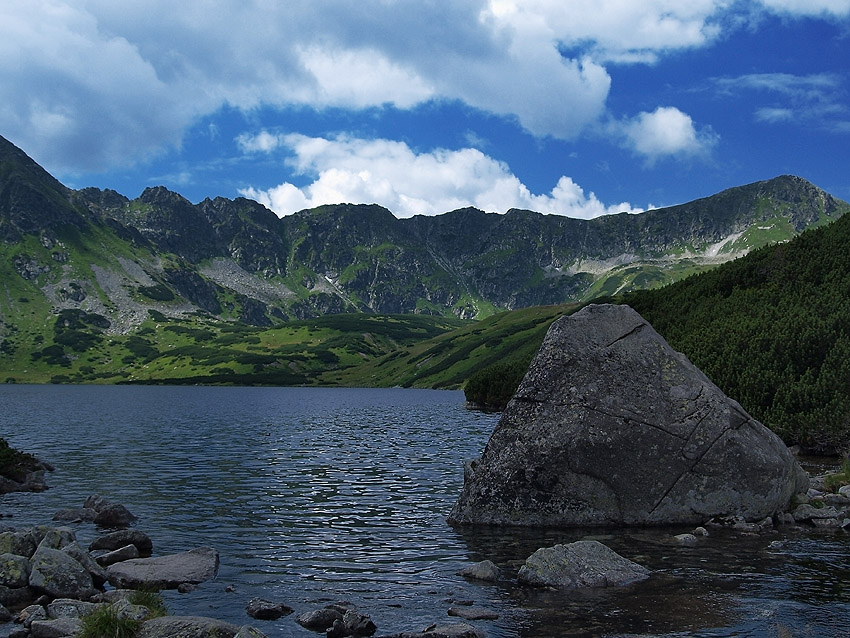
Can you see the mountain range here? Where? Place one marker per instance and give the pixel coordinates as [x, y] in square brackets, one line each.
[100, 252]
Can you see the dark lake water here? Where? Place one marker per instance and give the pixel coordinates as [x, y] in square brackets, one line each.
[314, 495]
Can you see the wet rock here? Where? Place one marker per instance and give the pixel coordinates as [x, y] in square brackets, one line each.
[116, 556]
[122, 538]
[58, 575]
[579, 564]
[357, 624]
[263, 609]
[14, 570]
[700, 531]
[473, 613]
[611, 426]
[114, 516]
[75, 515]
[5, 614]
[685, 540]
[486, 571]
[96, 502]
[319, 619]
[165, 572]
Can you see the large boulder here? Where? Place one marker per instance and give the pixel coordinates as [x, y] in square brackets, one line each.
[611, 426]
[192, 627]
[58, 575]
[580, 564]
[165, 572]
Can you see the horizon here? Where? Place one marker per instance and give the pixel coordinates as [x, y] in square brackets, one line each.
[578, 109]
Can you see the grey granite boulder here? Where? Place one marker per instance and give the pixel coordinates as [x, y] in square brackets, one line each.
[263, 609]
[165, 572]
[58, 575]
[611, 426]
[580, 564]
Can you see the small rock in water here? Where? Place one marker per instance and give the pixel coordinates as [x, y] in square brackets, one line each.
[686, 540]
[580, 564]
[473, 613]
[486, 570]
[263, 609]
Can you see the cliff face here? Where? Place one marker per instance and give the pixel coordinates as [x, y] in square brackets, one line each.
[98, 251]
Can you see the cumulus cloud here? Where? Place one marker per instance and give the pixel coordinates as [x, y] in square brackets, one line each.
[95, 84]
[407, 182]
[666, 132]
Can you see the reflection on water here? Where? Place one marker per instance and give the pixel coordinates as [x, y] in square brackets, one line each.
[312, 495]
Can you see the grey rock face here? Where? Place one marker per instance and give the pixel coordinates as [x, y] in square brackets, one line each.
[611, 426]
[59, 576]
[14, 570]
[165, 572]
[263, 609]
[186, 627]
[579, 564]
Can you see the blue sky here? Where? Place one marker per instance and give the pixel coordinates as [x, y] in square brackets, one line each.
[573, 107]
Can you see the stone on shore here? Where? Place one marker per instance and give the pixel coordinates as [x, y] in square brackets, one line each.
[58, 575]
[580, 564]
[165, 572]
[122, 538]
[263, 609]
[611, 426]
[486, 571]
[191, 627]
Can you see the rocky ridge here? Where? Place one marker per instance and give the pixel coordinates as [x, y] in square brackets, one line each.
[100, 252]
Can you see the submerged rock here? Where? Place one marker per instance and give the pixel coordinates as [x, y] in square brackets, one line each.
[580, 564]
[611, 426]
[486, 570]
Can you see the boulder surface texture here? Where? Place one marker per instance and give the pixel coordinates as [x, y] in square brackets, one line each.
[611, 426]
[579, 564]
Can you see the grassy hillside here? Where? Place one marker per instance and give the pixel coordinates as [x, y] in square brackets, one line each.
[448, 360]
[76, 349]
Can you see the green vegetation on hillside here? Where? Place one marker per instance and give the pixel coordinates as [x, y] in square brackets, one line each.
[200, 349]
[773, 331]
[448, 360]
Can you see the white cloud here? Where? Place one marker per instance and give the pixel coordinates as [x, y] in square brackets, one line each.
[836, 8]
[393, 175]
[666, 132]
[817, 99]
[88, 84]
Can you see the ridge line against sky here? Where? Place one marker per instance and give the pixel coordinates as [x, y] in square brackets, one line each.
[573, 107]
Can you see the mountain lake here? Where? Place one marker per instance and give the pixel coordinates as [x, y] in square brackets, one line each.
[315, 495]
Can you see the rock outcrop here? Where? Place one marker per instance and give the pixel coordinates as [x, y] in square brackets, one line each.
[165, 572]
[611, 426]
[580, 564]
